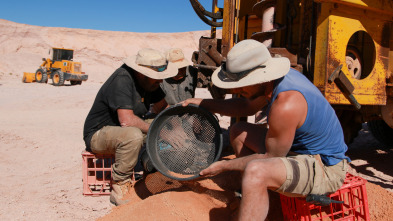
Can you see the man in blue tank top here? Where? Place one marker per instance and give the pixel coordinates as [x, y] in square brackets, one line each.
[300, 152]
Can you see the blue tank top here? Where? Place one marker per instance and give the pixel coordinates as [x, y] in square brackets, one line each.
[321, 132]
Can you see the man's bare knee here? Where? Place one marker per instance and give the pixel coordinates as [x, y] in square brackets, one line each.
[247, 138]
[266, 172]
[255, 173]
[236, 129]
[236, 138]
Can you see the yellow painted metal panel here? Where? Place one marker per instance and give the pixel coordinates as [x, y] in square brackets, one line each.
[384, 7]
[340, 27]
[58, 64]
[228, 26]
[321, 49]
[368, 90]
[390, 73]
[254, 25]
[390, 66]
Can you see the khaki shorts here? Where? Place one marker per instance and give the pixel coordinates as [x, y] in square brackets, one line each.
[306, 174]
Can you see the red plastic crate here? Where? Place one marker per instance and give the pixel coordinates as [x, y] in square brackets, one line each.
[96, 173]
[355, 206]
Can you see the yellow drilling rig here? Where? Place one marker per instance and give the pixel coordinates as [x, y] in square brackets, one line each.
[345, 47]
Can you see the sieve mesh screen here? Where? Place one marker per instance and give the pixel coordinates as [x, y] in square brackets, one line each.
[187, 143]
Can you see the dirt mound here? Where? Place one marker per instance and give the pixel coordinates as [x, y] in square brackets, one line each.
[157, 196]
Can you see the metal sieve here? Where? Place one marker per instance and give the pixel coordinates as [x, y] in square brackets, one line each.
[182, 141]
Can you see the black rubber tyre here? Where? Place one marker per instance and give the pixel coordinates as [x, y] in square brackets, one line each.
[58, 78]
[382, 132]
[76, 82]
[41, 76]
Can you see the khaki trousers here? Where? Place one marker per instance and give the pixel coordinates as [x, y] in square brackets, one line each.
[124, 143]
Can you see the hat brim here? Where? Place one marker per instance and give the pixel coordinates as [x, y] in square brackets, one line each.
[181, 64]
[275, 68]
[169, 72]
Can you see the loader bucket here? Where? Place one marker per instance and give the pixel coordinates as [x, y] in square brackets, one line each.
[28, 77]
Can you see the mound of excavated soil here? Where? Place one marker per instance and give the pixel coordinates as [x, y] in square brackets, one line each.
[160, 198]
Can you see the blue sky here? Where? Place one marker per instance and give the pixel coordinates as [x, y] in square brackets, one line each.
[115, 15]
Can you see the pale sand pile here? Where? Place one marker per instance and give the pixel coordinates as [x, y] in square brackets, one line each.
[41, 135]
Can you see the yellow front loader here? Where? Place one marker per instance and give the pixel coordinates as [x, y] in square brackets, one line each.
[60, 68]
[345, 47]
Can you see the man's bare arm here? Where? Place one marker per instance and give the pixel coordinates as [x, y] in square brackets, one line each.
[234, 107]
[127, 118]
[288, 112]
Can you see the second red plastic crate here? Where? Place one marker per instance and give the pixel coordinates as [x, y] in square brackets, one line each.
[355, 206]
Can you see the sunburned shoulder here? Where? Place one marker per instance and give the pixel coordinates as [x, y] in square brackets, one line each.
[290, 107]
[289, 100]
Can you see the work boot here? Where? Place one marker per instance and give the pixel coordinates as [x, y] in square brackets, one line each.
[119, 189]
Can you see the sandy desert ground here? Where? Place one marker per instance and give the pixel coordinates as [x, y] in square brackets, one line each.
[41, 136]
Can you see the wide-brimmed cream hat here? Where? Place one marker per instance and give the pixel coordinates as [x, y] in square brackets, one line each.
[151, 63]
[176, 56]
[248, 63]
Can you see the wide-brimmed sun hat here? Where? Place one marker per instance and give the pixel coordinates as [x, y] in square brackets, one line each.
[176, 56]
[151, 63]
[248, 63]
